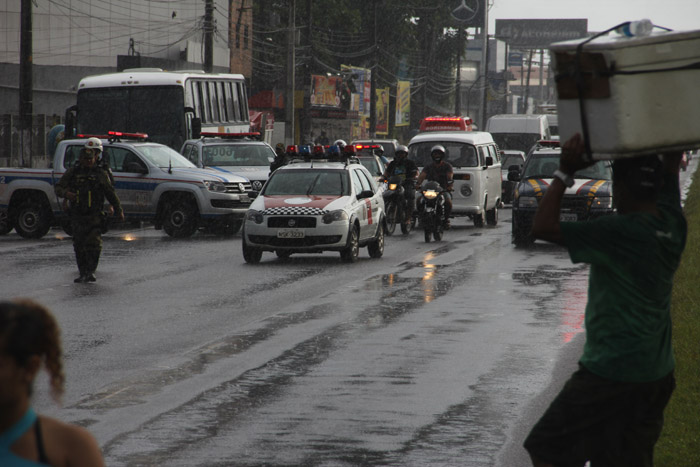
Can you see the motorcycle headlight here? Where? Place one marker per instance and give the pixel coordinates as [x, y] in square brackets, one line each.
[215, 185]
[466, 190]
[527, 202]
[254, 216]
[430, 194]
[333, 216]
[602, 202]
[392, 186]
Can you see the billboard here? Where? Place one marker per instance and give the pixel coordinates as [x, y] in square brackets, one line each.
[403, 103]
[382, 127]
[539, 33]
[325, 90]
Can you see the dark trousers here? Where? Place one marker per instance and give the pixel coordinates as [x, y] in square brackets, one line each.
[87, 242]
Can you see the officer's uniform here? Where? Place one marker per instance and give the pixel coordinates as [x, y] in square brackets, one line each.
[91, 185]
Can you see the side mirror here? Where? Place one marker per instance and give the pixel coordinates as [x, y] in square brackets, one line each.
[513, 175]
[365, 194]
[489, 161]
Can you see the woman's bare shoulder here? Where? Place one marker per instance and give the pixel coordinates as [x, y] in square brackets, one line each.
[68, 444]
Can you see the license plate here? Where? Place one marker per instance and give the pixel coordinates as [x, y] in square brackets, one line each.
[568, 217]
[288, 233]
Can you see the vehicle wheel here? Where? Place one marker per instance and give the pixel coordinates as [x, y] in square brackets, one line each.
[479, 219]
[391, 217]
[283, 254]
[352, 250]
[251, 255]
[376, 248]
[33, 219]
[406, 227]
[492, 216]
[5, 225]
[181, 217]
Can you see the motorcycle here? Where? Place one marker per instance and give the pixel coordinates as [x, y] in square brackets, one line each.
[396, 207]
[432, 210]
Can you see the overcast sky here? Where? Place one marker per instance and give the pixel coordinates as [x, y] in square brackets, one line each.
[601, 14]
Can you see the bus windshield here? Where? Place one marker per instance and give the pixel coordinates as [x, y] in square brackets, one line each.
[155, 110]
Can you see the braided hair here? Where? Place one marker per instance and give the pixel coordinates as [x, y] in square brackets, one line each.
[28, 329]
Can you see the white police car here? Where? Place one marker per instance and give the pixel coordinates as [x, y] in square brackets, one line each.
[316, 206]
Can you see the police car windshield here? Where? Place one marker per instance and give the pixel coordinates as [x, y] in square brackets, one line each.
[308, 182]
[237, 155]
[165, 157]
[456, 153]
[544, 165]
[372, 165]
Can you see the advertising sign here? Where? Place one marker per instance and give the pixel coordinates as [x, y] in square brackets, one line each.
[382, 127]
[325, 90]
[358, 82]
[539, 33]
[403, 103]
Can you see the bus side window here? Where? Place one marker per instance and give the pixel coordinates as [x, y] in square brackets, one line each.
[214, 102]
[236, 106]
[229, 102]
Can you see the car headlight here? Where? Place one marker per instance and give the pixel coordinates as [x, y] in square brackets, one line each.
[254, 216]
[333, 216]
[602, 202]
[215, 185]
[466, 190]
[527, 202]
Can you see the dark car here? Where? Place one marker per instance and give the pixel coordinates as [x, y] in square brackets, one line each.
[511, 160]
[590, 197]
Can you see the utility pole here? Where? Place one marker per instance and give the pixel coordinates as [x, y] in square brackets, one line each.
[306, 120]
[373, 83]
[458, 87]
[25, 85]
[209, 36]
[485, 65]
[289, 96]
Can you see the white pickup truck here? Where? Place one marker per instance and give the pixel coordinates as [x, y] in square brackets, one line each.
[154, 183]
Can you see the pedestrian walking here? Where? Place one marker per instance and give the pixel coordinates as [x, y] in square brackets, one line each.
[610, 412]
[86, 186]
[29, 339]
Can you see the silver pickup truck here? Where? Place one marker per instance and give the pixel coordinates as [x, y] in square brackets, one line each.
[154, 183]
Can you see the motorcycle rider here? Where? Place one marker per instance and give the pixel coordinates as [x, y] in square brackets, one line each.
[405, 168]
[439, 171]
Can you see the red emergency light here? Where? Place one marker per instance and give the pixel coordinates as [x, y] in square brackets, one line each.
[446, 124]
[292, 148]
[122, 134]
[229, 135]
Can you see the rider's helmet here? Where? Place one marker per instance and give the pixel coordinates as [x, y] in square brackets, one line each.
[401, 152]
[340, 143]
[437, 152]
[93, 143]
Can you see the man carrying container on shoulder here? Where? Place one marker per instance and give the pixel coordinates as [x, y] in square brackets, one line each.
[610, 412]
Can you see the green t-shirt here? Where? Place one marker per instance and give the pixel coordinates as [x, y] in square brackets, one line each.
[633, 258]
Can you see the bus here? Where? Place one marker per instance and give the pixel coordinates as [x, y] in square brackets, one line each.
[170, 106]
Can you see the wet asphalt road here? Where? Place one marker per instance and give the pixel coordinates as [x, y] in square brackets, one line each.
[181, 354]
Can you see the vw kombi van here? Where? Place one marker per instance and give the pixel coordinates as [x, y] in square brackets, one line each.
[476, 163]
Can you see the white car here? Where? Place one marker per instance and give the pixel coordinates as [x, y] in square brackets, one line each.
[311, 207]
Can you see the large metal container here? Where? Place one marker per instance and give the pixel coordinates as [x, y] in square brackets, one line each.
[639, 95]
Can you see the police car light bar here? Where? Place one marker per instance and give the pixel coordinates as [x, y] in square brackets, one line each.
[229, 135]
[293, 149]
[83, 135]
[121, 134]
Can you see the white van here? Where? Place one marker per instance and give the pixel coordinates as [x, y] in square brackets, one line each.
[517, 131]
[476, 163]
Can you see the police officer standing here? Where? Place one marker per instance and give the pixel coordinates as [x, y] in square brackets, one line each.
[86, 186]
